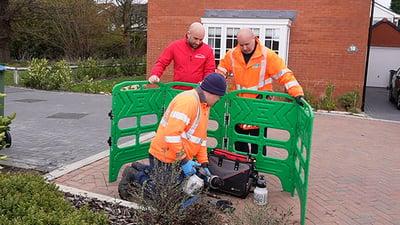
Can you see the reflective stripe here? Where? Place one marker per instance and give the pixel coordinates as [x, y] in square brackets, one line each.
[177, 115]
[163, 122]
[196, 121]
[189, 134]
[172, 139]
[180, 116]
[261, 78]
[233, 61]
[263, 68]
[291, 84]
[281, 73]
[222, 69]
[194, 139]
[255, 88]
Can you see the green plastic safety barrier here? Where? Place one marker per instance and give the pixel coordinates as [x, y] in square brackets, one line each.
[288, 129]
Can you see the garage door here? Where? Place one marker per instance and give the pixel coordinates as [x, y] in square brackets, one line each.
[381, 61]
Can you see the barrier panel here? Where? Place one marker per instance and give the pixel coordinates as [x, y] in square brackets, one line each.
[285, 130]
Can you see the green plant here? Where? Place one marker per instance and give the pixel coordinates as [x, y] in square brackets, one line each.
[133, 66]
[310, 99]
[29, 199]
[349, 101]
[265, 215]
[88, 67]
[111, 69]
[327, 102]
[88, 85]
[38, 72]
[4, 128]
[104, 86]
[41, 76]
[60, 77]
[161, 202]
[5, 138]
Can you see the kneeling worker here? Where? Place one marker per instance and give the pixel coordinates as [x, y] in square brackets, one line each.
[182, 133]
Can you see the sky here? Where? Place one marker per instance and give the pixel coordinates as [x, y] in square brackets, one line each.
[385, 3]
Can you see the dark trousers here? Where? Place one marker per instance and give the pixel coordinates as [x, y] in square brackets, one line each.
[163, 167]
[244, 146]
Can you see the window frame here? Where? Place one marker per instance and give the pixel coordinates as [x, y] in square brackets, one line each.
[282, 24]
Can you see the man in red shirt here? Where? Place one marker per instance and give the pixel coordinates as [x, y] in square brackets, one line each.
[193, 59]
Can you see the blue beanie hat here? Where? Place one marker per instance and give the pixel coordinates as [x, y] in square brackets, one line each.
[214, 83]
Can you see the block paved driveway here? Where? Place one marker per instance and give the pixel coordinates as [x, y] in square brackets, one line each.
[354, 170]
[354, 174]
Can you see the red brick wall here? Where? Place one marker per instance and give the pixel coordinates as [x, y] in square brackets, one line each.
[320, 36]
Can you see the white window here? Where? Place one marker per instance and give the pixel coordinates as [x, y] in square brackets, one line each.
[221, 34]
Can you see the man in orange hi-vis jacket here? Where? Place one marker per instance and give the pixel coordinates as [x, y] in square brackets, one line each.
[180, 140]
[254, 67]
[182, 132]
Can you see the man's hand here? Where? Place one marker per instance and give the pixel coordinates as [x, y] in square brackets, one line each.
[188, 167]
[298, 100]
[154, 79]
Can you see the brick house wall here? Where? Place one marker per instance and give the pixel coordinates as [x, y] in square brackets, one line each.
[320, 36]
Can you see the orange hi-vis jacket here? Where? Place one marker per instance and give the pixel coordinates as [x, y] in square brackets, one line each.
[182, 132]
[263, 67]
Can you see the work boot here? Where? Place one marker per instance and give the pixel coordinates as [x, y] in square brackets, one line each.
[127, 182]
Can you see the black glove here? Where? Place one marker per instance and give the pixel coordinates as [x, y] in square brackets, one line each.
[298, 100]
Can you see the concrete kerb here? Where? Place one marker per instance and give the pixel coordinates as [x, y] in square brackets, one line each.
[87, 161]
[352, 115]
[88, 194]
[74, 166]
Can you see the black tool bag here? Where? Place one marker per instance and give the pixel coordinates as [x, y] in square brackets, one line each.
[237, 171]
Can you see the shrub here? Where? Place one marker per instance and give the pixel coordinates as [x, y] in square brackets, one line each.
[88, 67]
[133, 66]
[349, 101]
[28, 199]
[164, 206]
[111, 69]
[41, 76]
[5, 136]
[327, 102]
[89, 86]
[262, 215]
[4, 128]
[60, 77]
[310, 99]
[37, 74]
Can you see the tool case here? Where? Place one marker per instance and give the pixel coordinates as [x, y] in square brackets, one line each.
[236, 170]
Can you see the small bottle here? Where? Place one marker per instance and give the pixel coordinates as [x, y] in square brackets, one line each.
[261, 192]
[195, 182]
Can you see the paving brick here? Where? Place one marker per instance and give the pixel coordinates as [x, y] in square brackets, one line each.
[354, 171]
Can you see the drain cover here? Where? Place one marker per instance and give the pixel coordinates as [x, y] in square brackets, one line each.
[68, 115]
[29, 100]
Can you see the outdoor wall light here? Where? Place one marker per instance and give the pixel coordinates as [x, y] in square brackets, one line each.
[352, 48]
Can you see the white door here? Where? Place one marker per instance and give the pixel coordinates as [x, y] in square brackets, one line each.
[381, 61]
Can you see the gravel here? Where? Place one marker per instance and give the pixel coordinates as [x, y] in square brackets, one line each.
[118, 214]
